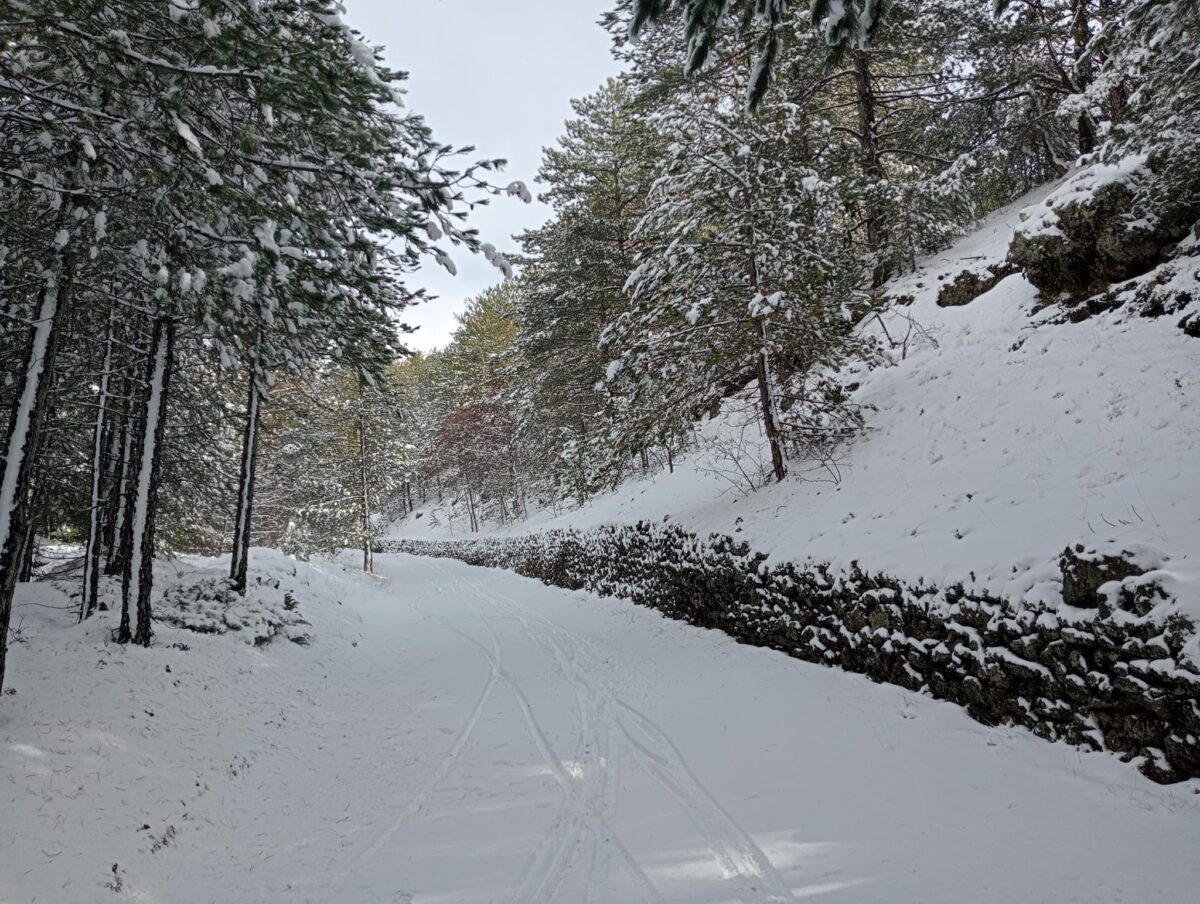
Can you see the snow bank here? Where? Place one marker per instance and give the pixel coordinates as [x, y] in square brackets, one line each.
[120, 766]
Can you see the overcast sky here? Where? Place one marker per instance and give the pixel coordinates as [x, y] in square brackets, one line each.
[498, 74]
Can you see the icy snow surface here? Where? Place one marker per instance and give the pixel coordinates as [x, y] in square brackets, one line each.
[462, 735]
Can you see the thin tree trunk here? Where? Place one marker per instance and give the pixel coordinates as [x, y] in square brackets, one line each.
[118, 429]
[766, 400]
[580, 464]
[118, 554]
[139, 575]
[240, 560]
[29, 541]
[368, 564]
[136, 428]
[471, 509]
[766, 388]
[112, 464]
[1081, 36]
[91, 560]
[24, 437]
[871, 162]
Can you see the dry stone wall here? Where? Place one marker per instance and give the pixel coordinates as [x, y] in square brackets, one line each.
[1112, 677]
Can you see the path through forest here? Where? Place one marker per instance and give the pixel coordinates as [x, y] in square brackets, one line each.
[465, 735]
[583, 750]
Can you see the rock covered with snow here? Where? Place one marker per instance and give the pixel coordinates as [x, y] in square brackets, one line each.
[1093, 230]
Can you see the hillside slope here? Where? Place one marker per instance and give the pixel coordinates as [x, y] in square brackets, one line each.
[996, 435]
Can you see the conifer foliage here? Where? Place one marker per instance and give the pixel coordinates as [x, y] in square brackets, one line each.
[729, 210]
[216, 191]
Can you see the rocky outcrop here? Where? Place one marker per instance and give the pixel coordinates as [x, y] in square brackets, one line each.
[1099, 240]
[969, 285]
[1103, 677]
[1086, 571]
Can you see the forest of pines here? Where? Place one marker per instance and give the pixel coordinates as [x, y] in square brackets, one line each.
[212, 211]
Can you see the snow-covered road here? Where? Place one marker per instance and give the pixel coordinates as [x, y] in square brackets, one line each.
[570, 749]
[466, 735]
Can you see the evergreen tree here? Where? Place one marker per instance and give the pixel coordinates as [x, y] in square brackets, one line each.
[844, 25]
[181, 169]
[573, 280]
[741, 287]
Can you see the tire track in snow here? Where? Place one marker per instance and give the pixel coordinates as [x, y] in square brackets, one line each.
[567, 829]
[600, 771]
[738, 855]
[588, 801]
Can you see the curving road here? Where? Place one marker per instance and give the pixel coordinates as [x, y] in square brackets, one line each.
[571, 749]
[464, 736]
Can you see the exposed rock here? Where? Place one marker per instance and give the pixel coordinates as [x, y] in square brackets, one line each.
[1098, 242]
[1191, 325]
[968, 285]
[1085, 572]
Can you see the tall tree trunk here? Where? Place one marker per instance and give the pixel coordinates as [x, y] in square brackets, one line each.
[471, 509]
[118, 552]
[25, 434]
[100, 435]
[368, 563]
[1081, 36]
[240, 560]
[136, 428]
[114, 480]
[29, 542]
[581, 434]
[871, 163]
[1117, 94]
[766, 402]
[139, 576]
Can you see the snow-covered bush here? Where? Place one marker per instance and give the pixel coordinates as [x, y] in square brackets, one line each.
[209, 606]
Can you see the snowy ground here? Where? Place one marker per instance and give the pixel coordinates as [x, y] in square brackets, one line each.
[462, 735]
[997, 438]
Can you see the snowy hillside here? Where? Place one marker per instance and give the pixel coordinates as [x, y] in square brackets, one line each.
[996, 435]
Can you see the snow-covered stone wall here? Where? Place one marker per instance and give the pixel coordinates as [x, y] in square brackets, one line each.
[1116, 670]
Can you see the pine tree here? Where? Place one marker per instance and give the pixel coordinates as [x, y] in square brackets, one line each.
[741, 287]
[573, 277]
[242, 210]
[845, 25]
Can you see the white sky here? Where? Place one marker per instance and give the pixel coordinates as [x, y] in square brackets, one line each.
[498, 74]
